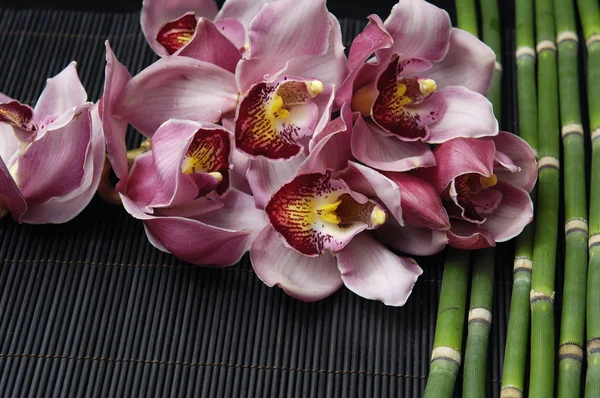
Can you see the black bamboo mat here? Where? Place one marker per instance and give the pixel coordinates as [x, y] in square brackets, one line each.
[89, 308]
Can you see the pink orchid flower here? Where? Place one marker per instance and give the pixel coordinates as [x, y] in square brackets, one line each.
[51, 156]
[274, 97]
[426, 84]
[180, 188]
[321, 223]
[484, 184]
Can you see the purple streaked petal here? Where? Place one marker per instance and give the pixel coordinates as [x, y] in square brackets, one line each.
[377, 149]
[374, 272]
[520, 154]
[155, 13]
[302, 277]
[10, 195]
[412, 240]
[469, 63]
[176, 88]
[468, 114]
[63, 92]
[265, 177]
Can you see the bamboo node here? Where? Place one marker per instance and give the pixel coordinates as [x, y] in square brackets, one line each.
[548, 162]
[525, 51]
[594, 240]
[592, 39]
[446, 354]
[570, 350]
[595, 134]
[572, 128]
[593, 346]
[480, 315]
[523, 264]
[511, 392]
[576, 224]
[498, 67]
[539, 296]
[566, 36]
[545, 45]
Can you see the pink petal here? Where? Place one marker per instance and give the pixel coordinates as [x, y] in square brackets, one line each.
[468, 236]
[176, 88]
[374, 185]
[9, 145]
[461, 156]
[265, 177]
[302, 277]
[64, 208]
[340, 124]
[468, 114]
[233, 30]
[377, 149]
[192, 240]
[281, 31]
[374, 37]
[421, 204]
[156, 13]
[209, 45]
[469, 63]
[419, 29]
[412, 240]
[54, 165]
[513, 213]
[521, 155]
[373, 272]
[63, 92]
[242, 10]
[237, 176]
[5, 98]
[116, 78]
[10, 195]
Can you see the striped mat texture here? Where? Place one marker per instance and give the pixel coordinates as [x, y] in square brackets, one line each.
[90, 308]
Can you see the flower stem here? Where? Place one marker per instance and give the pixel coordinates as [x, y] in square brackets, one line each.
[570, 353]
[515, 356]
[541, 378]
[466, 16]
[490, 29]
[447, 344]
[589, 13]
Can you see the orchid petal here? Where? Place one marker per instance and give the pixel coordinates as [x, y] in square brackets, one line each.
[233, 30]
[302, 277]
[521, 156]
[5, 98]
[339, 124]
[9, 145]
[468, 114]
[265, 177]
[11, 198]
[281, 31]
[176, 88]
[469, 63]
[53, 165]
[373, 272]
[468, 236]
[419, 29]
[155, 13]
[243, 11]
[374, 185]
[374, 37]
[237, 175]
[209, 45]
[64, 208]
[63, 92]
[412, 240]
[421, 203]
[116, 78]
[375, 148]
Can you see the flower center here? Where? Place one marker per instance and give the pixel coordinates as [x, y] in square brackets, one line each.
[345, 210]
[427, 86]
[276, 109]
[327, 212]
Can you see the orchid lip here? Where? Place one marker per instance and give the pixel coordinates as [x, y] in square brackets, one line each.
[177, 33]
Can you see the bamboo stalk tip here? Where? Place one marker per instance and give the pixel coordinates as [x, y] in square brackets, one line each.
[593, 38]
[570, 350]
[567, 36]
[446, 354]
[594, 240]
[525, 51]
[571, 128]
[480, 315]
[576, 225]
[511, 392]
[548, 162]
[540, 296]
[593, 346]
[545, 45]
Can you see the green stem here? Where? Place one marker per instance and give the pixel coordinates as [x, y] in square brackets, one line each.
[515, 356]
[479, 324]
[541, 381]
[447, 344]
[466, 16]
[570, 355]
[589, 13]
[490, 28]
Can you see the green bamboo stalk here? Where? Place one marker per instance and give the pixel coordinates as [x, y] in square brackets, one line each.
[541, 377]
[515, 356]
[589, 13]
[447, 343]
[479, 324]
[490, 28]
[466, 16]
[570, 354]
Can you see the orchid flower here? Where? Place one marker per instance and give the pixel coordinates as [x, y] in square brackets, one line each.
[321, 223]
[51, 156]
[274, 97]
[426, 84]
[484, 184]
[180, 188]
